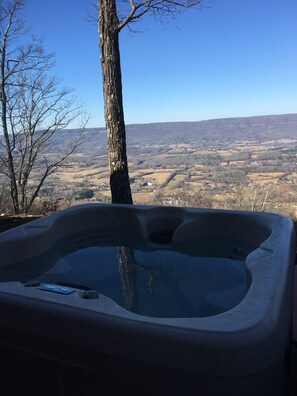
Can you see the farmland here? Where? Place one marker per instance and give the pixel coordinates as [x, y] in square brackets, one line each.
[251, 164]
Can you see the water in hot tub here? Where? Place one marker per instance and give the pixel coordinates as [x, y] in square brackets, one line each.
[159, 283]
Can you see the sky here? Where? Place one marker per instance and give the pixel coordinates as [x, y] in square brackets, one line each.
[231, 58]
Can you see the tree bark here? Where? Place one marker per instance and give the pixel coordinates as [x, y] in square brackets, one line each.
[10, 163]
[108, 27]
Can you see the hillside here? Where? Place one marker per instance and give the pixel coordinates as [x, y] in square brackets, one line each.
[206, 133]
[240, 163]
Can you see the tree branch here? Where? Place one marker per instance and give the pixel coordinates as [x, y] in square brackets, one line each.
[160, 7]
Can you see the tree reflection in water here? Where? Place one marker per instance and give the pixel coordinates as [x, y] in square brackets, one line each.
[127, 269]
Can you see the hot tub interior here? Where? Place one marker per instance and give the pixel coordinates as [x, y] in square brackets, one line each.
[153, 262]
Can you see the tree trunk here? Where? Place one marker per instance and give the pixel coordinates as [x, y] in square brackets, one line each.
[10, 164]
[113, 102]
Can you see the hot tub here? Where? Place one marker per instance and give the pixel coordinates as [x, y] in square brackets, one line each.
[139, 300]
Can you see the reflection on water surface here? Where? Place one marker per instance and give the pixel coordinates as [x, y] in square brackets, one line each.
[160, 283]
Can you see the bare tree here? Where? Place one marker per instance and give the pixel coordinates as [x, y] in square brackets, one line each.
[254, 197]
[33, 108]
[113, 16]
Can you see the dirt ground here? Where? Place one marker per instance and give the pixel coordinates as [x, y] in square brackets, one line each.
[8, 222]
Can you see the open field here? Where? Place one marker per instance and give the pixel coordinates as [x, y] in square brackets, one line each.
[237, 163]
[234, 175]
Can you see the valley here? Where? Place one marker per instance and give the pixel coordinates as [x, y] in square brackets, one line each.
[248, 163]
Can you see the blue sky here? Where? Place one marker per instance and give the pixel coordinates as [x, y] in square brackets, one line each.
[232, 58]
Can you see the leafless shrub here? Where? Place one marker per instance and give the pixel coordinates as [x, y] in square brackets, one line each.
[5, 200]
[255, 197]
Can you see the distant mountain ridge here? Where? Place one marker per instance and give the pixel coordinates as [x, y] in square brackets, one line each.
[208, 132]
[242, 128]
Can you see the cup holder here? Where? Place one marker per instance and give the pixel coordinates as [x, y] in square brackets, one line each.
[162, 237]
[161, 229]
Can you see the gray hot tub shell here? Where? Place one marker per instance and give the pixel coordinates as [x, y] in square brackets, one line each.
[241, 351]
